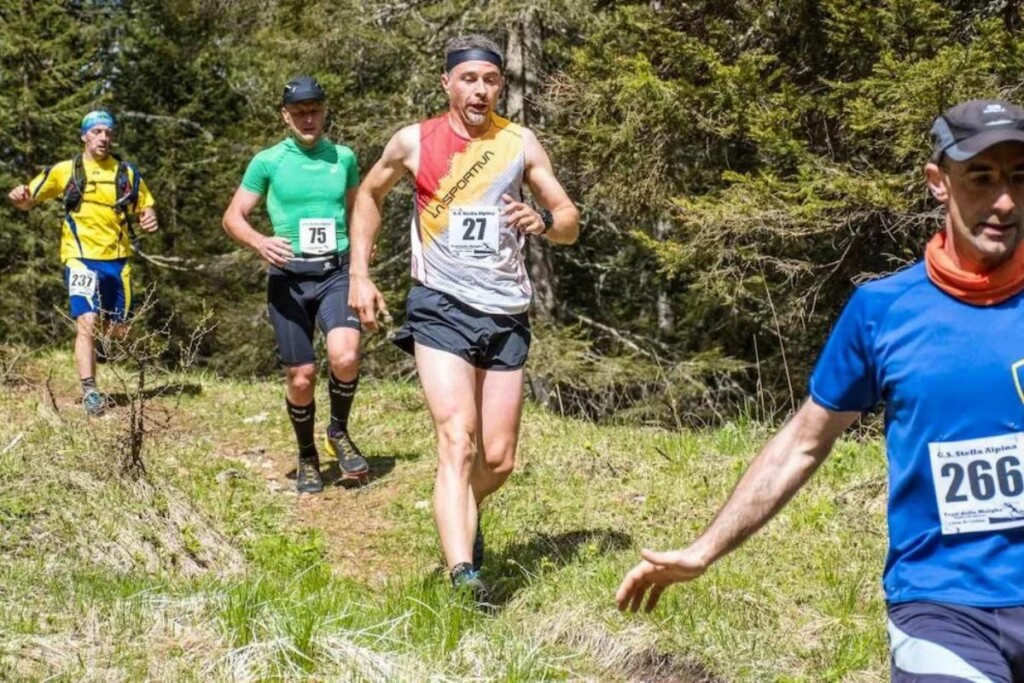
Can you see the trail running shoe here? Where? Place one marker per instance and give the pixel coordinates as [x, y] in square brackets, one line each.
[307, 476]
[465, 578]
[340, 445]
[94, 403]
[478, 544]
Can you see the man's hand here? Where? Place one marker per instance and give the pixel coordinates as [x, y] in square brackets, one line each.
[657, 572]
[522, 217]
[147, 220]
[276, 251]
[21, 197]
[365, 300]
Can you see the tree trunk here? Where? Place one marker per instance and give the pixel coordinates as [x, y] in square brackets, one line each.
[1011, 15]
[523, 58]
[515, 75]
[666, 318]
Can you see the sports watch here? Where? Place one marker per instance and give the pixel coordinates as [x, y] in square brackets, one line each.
[547, 219]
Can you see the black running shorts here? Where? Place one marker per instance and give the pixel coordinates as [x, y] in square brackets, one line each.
[490, 341]
[296, 300]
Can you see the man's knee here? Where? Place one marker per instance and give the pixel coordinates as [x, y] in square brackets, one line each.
[344, 361]
[456, 446]
[85, 325]
[118, 330]
[499, 457]
[301, 378]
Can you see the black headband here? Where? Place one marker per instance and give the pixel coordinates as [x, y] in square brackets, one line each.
[471, 54]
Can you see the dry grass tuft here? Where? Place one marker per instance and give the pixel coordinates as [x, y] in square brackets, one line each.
[630, 652]
[164, 533]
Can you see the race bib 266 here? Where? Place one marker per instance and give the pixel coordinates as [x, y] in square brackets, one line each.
[979, 483]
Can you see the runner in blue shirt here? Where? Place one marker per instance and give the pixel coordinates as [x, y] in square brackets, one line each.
[940, 344]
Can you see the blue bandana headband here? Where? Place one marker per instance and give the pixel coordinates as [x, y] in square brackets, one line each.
[97, 118]
[471, 54]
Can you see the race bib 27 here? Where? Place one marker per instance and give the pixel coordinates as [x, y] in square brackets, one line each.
[473, 230]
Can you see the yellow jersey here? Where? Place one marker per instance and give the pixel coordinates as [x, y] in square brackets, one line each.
[96, 230]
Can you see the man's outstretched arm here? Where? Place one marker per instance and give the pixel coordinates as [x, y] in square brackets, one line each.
[785, 463]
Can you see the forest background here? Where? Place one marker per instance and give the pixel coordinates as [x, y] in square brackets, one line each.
[740, 166]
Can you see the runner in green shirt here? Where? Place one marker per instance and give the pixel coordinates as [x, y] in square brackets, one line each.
[309, 184]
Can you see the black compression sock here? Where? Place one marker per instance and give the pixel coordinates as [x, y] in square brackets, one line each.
[342, 394]
[303, 424]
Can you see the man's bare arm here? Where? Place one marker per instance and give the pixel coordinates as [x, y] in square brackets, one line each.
[549, 193]
[401, 155]
[274, 250]
[783, 466]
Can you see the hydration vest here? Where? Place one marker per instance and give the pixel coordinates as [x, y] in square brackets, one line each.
[126, 186]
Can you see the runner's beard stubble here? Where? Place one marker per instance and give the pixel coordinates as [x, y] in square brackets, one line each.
[475, 118]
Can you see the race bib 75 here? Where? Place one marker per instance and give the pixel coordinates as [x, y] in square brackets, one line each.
[317, 236]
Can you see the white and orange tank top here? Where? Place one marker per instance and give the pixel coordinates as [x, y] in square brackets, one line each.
[461, 244]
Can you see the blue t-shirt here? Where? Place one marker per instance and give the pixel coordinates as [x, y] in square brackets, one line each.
[952, 379]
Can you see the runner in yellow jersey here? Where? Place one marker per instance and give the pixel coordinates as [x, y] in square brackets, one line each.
[467, 319]
[101, 193]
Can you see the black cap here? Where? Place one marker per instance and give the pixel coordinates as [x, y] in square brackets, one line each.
[303, 89]
[969, 128]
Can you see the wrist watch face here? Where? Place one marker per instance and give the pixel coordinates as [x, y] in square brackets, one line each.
[548, 219]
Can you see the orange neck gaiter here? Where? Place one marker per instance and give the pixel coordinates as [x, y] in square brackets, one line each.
[978, 289]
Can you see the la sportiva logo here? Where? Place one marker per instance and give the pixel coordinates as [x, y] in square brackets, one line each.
[435, 209]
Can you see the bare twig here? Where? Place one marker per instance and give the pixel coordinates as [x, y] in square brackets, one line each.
[142, 353]
[14, 442]
[622, 337]
[782, 343]
[177, 120]
[169, 262]
[48, 405]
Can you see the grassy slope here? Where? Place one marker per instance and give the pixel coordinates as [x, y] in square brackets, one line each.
[219, 572]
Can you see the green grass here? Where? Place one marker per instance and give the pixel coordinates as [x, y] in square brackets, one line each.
[218, 572]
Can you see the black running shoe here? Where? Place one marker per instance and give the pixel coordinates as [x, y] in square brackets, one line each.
[307, 476]
[340, 445]
[478, 544]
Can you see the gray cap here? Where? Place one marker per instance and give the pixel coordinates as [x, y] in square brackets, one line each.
[969, 128]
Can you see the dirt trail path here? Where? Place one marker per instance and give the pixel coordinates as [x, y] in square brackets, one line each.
[356, 520]
[360, 523]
